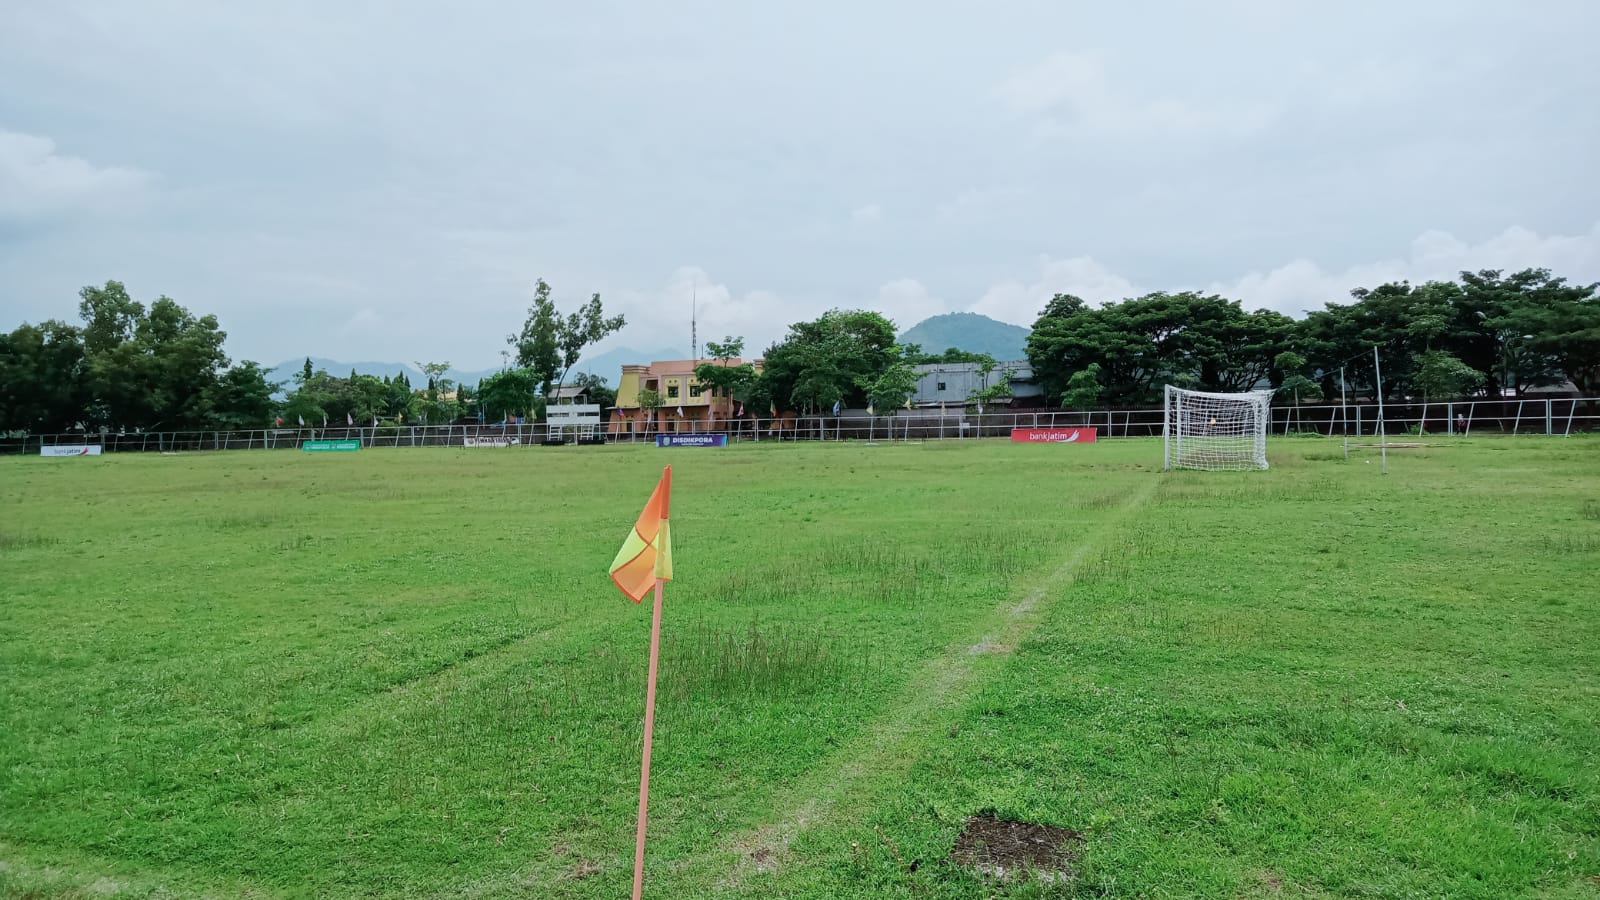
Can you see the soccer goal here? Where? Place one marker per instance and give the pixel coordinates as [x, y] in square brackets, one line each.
[1202, 430]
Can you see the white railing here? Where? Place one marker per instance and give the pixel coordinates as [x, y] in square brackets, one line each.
[1554, 416]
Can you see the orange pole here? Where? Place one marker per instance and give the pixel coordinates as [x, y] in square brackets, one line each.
[649, 733]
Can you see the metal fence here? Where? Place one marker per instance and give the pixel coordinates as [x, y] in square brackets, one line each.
[1555, 416]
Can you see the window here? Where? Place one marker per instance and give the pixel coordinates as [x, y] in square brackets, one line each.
[941, 385]
[694, 390]
[672, 392]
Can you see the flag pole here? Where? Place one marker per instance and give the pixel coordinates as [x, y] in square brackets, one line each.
[649, 733]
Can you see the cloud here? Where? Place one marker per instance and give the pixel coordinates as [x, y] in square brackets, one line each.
[975, 205]
[1302, 285]
[659, 318]
[1020, 302]
[37, 183]
[866, 215]
[1071, 93]
[905, 301]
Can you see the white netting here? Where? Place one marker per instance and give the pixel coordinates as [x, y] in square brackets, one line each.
[1216, 431]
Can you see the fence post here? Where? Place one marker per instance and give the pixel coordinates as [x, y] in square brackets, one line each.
[1548, 429]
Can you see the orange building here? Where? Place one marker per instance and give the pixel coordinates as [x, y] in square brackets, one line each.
[684, 405]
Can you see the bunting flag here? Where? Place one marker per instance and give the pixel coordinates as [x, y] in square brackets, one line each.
[374, 421]
[279, 421]
[908, 403]
[870, 410]
[349, 420]
[740, 413]
[680, 411]
[774, 409]
[647, 553]
[302, 421]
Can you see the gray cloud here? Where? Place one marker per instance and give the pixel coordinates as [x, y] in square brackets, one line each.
[388, 183]
[38, 183]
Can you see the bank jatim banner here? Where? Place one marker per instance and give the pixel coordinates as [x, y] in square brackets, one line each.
[1083, 435]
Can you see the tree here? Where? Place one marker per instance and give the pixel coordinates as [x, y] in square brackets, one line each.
[1083, 388]
[721, 377]
[1545, 330]
[538, 345]
[509, 391]
[147, 368]
[1292, 380]
[729, 347]
[41, 375]
[595, 389]
[584, 328]
[827, 360]
[888, 390]
[241, 397]
[650, 399]
[551, 345]
[434, 407]
[1440, 375]
[1146, 342]
[989, 393]
[951, 355]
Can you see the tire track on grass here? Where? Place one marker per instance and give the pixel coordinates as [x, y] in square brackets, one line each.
[938, 691]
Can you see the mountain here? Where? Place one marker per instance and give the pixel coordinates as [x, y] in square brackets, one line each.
[608, 365]
[971, 332]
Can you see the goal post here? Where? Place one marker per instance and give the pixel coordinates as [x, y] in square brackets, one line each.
[1204, 430]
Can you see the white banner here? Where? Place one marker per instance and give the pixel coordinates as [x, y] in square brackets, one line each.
[70, 450]
[487, 442]
[567, 414]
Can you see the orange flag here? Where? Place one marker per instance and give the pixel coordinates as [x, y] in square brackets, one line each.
[647, 553]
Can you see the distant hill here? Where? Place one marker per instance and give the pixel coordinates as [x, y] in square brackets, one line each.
[971, 332]
[607, 365]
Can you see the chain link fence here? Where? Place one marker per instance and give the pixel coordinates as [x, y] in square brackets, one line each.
[1554, 416]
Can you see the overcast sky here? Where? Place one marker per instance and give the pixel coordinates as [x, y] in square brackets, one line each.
[385, 180]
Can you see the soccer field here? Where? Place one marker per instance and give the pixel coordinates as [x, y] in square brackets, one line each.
[405, 672]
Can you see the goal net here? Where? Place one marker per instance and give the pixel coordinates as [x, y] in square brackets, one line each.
[1202, 430]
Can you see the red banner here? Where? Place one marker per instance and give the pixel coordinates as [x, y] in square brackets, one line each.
[1053, 435]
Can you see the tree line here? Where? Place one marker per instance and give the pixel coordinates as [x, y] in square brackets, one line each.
[128, 366]
[1479, 335]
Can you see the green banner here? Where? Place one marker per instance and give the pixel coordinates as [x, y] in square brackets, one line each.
[331, 445]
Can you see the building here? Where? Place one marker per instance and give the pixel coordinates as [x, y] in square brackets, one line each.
[950, 384]
[685, 406]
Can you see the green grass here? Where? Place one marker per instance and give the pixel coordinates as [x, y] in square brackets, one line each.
[404, 673]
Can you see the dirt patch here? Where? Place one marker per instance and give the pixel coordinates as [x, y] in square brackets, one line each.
[583, 869]
[1007, 849]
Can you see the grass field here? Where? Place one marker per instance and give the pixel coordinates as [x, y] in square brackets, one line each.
[404, 672]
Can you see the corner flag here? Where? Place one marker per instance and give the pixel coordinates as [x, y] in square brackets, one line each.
[647, 553]
[645, 563]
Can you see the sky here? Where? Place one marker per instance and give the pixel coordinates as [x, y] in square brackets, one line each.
[387, 180]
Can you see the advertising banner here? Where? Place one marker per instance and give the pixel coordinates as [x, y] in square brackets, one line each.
[324, 446]
[1083, 435]
[70, 450]
[691, 440]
